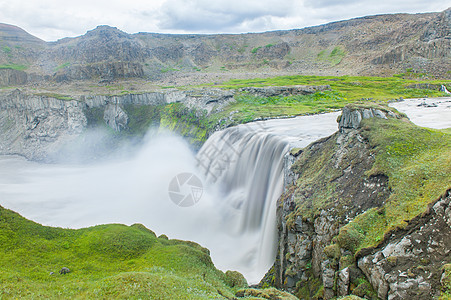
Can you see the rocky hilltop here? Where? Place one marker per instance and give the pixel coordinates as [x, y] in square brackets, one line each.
[374, 45]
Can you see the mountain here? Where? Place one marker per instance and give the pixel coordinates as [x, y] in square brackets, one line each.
[372, 45]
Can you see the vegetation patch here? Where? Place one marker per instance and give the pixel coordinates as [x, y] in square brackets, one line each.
[333, 57]
[107, 261]
[56, 96]
[14, 67]
[417, 162]
[62, 66]
[446, 282]
[191, 123]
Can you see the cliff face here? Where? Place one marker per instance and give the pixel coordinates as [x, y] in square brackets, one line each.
[335, 236]
[39, 127]
[373, 45]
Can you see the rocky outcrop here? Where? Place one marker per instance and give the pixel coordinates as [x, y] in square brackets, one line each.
[271, 91]
[409, 264]
[104, 70]
[326, 188]
[10, 77]
[303, 238]
[36, 126]
[39, 127]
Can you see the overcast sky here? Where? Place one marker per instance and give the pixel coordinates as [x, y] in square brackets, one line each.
[54, 19]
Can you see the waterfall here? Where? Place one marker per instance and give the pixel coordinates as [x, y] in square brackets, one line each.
[247, 168]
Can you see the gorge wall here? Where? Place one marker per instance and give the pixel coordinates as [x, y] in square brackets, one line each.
[39, 126]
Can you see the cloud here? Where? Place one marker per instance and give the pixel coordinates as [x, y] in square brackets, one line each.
[222, 15]
[53, 19]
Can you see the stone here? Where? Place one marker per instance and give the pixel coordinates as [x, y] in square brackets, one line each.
[115, 117]
[343, 282]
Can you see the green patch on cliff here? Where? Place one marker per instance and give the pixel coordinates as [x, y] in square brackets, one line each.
[446, 283]
[55, 96]
[191, 123]
[106, 261]
[333, 56]
[417, 162]
[142, 117]
[14, 67]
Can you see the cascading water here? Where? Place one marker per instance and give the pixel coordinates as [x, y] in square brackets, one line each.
[247, 168]
[240, 168]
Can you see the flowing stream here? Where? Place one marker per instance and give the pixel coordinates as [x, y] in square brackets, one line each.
[240, 177]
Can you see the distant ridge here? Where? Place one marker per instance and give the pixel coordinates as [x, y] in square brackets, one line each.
[371, 45]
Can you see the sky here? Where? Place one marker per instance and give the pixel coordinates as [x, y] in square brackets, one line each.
[51, 20]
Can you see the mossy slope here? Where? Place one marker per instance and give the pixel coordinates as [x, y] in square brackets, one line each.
[106, 261]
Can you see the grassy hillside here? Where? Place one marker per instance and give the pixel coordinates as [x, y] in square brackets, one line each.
[343, 90]
[106, 261]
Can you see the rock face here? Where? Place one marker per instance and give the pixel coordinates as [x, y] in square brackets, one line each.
[39, 127]
[407, 264]
[271, 91]
[34, 126]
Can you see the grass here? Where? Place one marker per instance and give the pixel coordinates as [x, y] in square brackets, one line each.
[14, 67]
[62, 66]
[352, 88]
[56, 96]
[248, 107]
[417, 162]
[106, 261]
[446, 283]
[343, 90]
[333, 57]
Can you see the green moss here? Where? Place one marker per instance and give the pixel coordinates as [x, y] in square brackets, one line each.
[333, 57]
[351, 297]
[14, 67]
[142, 117]
[362, 288]
[235, 279]
[56, 96]
[269, 293]
[107, 261]
[417, 162]
[62, 66]
[310, 289]
[332, 251]
[446, 283]
[193, 124]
